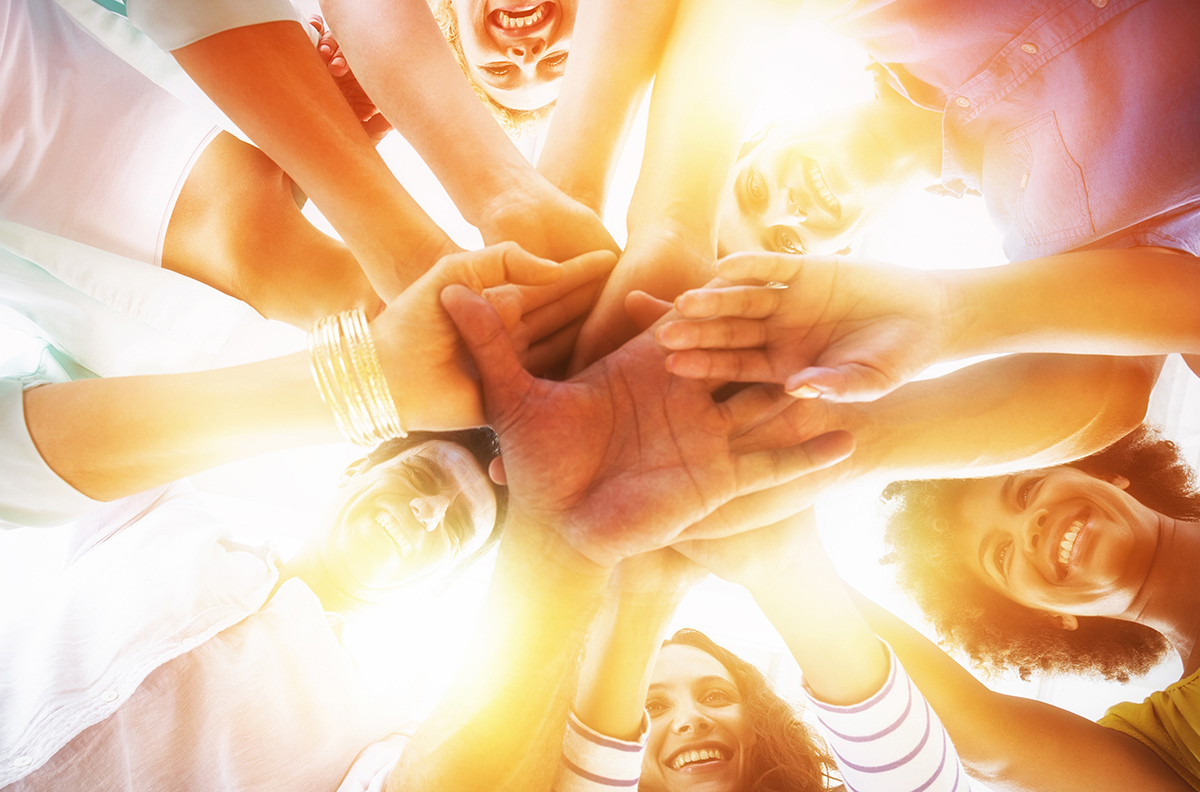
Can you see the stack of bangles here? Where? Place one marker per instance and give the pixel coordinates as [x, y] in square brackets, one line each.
[350, 378]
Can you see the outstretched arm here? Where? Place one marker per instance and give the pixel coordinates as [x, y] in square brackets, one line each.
[270, 81]
[1014, 743]
[400, 57]
[112, 437]
[853, 331]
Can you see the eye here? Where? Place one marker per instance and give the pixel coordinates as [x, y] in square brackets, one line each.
[656, 706]
[498, 69]
[555, 60]
[787, 241]
[1000, 557]
[756, 187]
[423, 479]
[1025, 490]
[717, 698]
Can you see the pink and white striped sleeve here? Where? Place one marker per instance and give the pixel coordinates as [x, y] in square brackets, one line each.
[592, 762]
[892, 742]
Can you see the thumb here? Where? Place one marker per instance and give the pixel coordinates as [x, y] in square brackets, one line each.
[851, 382]
[505, 383]
[645, 309]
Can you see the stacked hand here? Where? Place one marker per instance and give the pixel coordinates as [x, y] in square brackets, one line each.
[363, 107]
[426, 365]
[624, 457]
[821, 326]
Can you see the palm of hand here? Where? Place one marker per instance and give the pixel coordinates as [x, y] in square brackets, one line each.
[637, 455]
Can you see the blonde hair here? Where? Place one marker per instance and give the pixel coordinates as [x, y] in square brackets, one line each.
[514, 122]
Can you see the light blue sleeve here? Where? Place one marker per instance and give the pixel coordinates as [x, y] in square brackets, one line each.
[176, 23]
[31, 494]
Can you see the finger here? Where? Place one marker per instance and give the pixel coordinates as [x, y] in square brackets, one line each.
[763, 508]
[751, 406]
[645, 309]
[853, 382]
[338, 66]
[551, 318]
[744, 365]
[748, 302]
[506, 262]
[548, 355]
[780, 267]
[590, 268]
[505, 383]
[763, 469]
[727, 333]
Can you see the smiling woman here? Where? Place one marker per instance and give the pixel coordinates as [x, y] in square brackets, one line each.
[716, 724]
[414, 507]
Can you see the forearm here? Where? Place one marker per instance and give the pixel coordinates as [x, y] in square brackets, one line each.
[1010, 413]
[1016, 743]
[842, 660]
[617, 47]
[405, 65]
[113, 437]
[619, 660]
[270, 81]
[501, 726]
[698, 112]
[1135, 301]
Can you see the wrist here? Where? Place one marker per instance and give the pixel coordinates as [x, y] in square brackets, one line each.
[969, 318]
[680, 229]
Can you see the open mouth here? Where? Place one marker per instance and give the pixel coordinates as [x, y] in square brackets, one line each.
[697, 757]
[821, 187]
[394, 529]
[520, 21]
[1068, 547]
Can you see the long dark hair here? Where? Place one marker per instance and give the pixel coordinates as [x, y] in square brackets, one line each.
[788, 755]
[995, 632]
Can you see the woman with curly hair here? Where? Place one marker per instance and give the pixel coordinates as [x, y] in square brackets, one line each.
[1082, 568]
[701, 718]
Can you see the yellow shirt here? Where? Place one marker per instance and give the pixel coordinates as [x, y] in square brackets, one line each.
[1168, 723]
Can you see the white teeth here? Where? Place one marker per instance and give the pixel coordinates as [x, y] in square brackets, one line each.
[388, 523]
[1068, 543]
[511, 22]
[818, 181]
[702, 755]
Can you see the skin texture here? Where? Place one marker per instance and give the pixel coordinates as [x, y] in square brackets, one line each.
[694, 703]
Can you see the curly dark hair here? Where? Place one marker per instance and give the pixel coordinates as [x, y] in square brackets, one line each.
[998, 634]
[788, 755]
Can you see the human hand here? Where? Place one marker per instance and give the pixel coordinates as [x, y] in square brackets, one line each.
[759, 557]
[543, 220]
[660, 263]
[364, 109]
[624, 457]
[428, 369]
[840, 330]
[660, 575]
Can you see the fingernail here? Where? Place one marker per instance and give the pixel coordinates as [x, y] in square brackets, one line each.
[805, 392]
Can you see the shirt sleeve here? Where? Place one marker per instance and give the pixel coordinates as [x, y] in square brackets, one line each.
[892, 742]
[592, 762]
[172, 24]
[30, 492]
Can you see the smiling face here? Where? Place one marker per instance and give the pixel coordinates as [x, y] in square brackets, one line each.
[516, 50]
[700, 735]
[409, 516]
[812, 189]
[1058, 540]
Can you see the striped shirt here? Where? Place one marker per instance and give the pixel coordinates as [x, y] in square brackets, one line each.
[592, 762]
[892, 741]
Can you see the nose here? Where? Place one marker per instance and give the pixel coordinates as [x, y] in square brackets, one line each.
[689, 720]
[1035, 531]
[786, 208]
[526, 51]
[429, 510]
